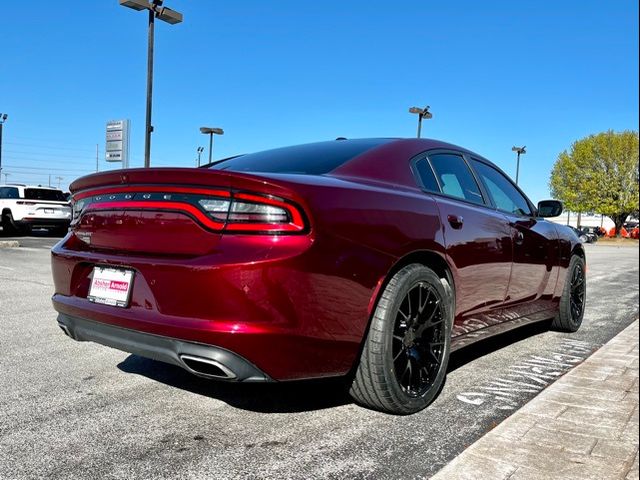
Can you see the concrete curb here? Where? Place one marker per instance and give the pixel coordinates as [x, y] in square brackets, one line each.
[9, 243]
[584, 426]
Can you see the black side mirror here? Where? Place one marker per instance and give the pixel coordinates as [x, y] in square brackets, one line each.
[549, 208]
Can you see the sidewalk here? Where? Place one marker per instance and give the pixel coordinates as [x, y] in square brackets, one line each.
[584, 426]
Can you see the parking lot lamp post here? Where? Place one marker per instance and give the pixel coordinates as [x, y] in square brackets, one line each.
[156, 10]
[3, 118]
[211, 132]
[199, 150]
[519, 151]
[422, 113]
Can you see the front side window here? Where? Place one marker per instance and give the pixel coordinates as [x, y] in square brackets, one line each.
[505, 196]
[9, 192]
[455, 177]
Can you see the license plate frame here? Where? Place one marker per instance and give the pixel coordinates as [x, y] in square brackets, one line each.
[111, 286]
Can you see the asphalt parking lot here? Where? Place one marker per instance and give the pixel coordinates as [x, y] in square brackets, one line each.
[78, 410]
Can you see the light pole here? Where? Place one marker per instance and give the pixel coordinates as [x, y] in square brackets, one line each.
[3, 118]
[519, 151]
[6, 177]
[199, 150]
[211, 132]
[59, 180]
[156, 10]
[422, 113]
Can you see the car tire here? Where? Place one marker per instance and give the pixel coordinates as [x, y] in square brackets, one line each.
[573, 299]
[8, 226]
[405, 354]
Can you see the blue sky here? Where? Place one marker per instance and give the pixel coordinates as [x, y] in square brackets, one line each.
[495, 74]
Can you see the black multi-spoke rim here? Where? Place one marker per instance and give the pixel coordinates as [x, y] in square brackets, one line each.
[418, 339]
[577, 293]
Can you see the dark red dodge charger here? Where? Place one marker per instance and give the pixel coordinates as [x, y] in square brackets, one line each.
[370, 257]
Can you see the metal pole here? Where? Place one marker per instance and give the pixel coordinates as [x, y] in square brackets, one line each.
[210, 146]
[518, 168]
[1, 146]
[419, 125]
[148, 127]
[96, 158]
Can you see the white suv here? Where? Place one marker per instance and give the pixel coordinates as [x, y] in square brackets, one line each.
[23, 207]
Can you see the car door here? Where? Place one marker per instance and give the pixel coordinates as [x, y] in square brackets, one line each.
[535, 243]
[477, 238]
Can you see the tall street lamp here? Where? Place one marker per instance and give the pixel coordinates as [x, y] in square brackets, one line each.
[199, 150]
[156, 10]
[519, 151]
[211, 132]
[3, 118]
[422, 113]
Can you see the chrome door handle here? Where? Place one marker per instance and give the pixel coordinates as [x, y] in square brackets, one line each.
[519, 238]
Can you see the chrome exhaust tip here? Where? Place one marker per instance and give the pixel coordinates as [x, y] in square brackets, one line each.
[206, 367]
[65, 329]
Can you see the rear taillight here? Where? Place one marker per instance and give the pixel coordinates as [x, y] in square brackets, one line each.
[254, 213]
[215, 209]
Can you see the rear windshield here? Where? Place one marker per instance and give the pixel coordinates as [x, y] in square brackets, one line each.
[310, 159]
[43, 194]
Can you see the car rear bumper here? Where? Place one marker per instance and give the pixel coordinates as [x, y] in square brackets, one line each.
[278, 314]
[203, 360]
[43, 222]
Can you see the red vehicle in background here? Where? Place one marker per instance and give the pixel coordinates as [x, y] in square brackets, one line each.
[371, 257]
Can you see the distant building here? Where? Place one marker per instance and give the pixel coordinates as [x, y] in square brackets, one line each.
[586, 220]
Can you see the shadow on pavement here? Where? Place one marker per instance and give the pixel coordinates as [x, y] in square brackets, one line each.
[301, 396]
[37, 233]
[283, 397]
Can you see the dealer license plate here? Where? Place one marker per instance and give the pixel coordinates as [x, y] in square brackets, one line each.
[111, 286]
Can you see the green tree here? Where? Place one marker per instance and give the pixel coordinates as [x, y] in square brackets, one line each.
[599, 174]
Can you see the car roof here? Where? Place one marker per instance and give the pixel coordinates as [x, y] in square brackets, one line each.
[22, 185]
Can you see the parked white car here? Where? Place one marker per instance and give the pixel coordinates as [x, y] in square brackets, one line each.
[23, 207]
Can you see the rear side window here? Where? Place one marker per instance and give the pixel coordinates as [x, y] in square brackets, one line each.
[426, 176]
[43, 194]
[9, 192]
[505, 196]
[311, 159]
[455, 177]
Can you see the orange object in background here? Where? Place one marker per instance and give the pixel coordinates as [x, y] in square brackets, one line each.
[623, 232]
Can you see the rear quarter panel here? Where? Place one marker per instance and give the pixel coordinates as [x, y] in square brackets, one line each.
[360, 231]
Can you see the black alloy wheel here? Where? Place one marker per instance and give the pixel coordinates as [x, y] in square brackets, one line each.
[574, 297]
[578, 290]
[404, 358]
[418, 339]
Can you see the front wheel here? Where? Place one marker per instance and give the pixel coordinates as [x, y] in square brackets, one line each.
[404, 360]
[574, 297]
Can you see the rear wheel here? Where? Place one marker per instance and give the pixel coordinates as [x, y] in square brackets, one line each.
[404, 360]
[574, 296]
[8, 225]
